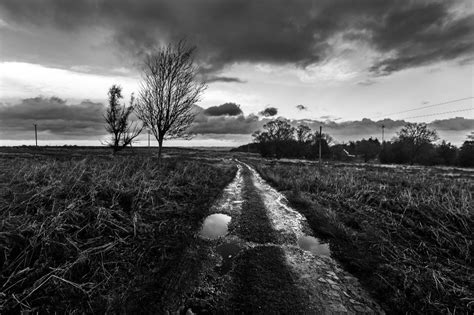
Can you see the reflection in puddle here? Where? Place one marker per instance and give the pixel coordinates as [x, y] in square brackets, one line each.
[228, 251]
[313, 245]
[215, 226]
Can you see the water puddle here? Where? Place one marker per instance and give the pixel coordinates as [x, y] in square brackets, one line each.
[228, 251]
[313, 245]
[215, 226]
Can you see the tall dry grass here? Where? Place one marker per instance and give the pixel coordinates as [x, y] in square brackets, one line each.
[98, 234]
[407, 234]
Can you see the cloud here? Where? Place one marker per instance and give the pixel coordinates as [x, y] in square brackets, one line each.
[454, 124]
[330, 117]
[269, 112]
[301, 107]
[55, 119]
[404, 33]
[229, 109]
[213, 79]
[226, 125]
[421, 34]
[224, 119]
[345, 131]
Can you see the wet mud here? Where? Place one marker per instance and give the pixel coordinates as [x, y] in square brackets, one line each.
[263, 258]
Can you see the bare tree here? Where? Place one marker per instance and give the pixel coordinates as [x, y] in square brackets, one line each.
[324, 136]
[416, 136]
[275, 130]
[303, 133]
[168, 91]
[117, 119]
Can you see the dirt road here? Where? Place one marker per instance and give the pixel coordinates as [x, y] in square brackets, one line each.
[261, 256]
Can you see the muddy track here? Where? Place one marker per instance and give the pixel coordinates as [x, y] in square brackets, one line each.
[266, 259]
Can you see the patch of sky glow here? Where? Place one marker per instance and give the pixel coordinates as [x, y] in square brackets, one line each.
[3, 24]
[22, 80]
[462, 8]
[220, 93]
[331, 70]
[198, 141]
[349, 59]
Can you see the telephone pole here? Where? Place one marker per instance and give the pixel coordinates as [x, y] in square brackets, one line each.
[36, 136]
[148, 138]
[320, 138]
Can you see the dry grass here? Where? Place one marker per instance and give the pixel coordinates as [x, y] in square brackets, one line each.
[407, 234]
[98, 234]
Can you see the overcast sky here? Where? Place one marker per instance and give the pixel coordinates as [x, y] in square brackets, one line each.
[332, 62]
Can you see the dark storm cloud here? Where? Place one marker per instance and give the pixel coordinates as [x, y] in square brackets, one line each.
[411, 33]
[454, 124]
[54, 117]
[301, 107]
[226, 125]
[229, 109]
[227, 118]
[269, 112]
[420, 34]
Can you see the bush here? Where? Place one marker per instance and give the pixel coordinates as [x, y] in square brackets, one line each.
[466, 154]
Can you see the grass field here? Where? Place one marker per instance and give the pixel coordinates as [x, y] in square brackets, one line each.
[406, 233]
[82, 231]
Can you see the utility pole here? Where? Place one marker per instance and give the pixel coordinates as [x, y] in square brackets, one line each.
[320, 138]
[148, 138]
[36, 136]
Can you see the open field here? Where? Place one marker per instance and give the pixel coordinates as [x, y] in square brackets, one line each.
[92, 233]
[84, 231]
[405, 232]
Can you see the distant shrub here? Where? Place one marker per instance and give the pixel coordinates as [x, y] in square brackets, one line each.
[466, 154]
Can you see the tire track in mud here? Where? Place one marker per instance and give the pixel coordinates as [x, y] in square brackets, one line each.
[253, 223]
[328, 288]
[259, 266]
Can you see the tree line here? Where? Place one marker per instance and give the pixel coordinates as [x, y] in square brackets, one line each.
[413, 144]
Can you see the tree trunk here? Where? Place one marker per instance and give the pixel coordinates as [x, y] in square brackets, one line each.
[160, 146]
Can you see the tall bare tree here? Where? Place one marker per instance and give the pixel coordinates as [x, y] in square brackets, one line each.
[117, 118]
[168, 91]
[415, 136]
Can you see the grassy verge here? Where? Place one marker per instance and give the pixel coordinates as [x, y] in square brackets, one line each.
[406, 235]
[99, 234]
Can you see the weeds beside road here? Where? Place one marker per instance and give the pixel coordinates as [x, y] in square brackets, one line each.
[407, 235]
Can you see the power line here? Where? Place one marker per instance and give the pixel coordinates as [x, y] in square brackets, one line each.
[428, 106]
[452, 111]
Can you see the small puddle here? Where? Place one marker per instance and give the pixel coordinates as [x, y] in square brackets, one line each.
[228, 251]
[313, 245]
[215, 226]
